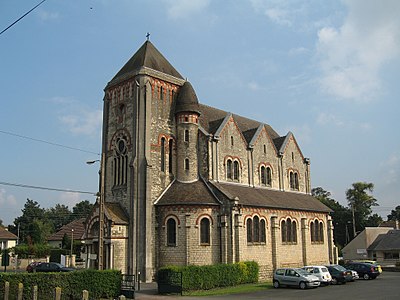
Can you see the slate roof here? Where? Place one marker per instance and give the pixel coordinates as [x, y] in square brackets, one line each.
[187, 99]
[180, 193]
[116, 213]
[147, 56]
[263, 197]
[78, 227]
[386, 242]
[6, 235]
[211, 119]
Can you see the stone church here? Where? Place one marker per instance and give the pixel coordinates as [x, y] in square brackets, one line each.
[183, 183]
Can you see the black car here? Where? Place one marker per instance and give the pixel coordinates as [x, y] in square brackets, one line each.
[364, 270]
[51, 267]
[339, 274]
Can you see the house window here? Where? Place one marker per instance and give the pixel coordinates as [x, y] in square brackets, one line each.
[171, 232]
[294, 180]
[269, 176]
[186, 135]
[256, 229]
[289, 231]
[186, 163]
[266, 175]
[263, 175]
[205, 231]
[229, 169]
[263, 237]
[163, 154]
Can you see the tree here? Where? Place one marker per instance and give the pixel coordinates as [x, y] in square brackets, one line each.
[40, 231]
[341, 216]
[81, 210]
[360, 203]
[1, 223]
[31, 211]
[373, 221]
[58, 216]
[395, 214]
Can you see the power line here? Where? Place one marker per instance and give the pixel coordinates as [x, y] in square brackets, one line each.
[16, 21]
[45, 188]
[46, 142]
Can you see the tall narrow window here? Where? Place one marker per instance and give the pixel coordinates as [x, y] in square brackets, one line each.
[236, 170]
[171, 232]
[289, 231]
[269, 176]
[283, 231]
[161, 93]
[256, 229]
[186, 163]
[265, 149]
[186, 135]
[263, 237]
[170, 147]
[296, 181]
[294, 232]
[249, 228]
[229, 169]
[205, 231]
[312, 231]
[263, 177]
[163, 154]
[291, 180]
[120, 161]
[231, 141]
[321, 232]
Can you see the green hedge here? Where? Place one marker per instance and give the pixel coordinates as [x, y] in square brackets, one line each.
[211, 276]
[100, 284]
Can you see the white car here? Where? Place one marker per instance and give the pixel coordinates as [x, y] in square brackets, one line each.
[321, 272]
[294, 277]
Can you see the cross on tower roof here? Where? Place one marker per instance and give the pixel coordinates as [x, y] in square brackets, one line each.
[148, 36]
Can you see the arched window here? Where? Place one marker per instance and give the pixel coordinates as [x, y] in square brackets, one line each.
[249, 227]
[120, 161]
[205, 231]
[289, 231]
[263, 175]
[256, 229]
[186, 163]
[170, 147]
[171, 232]
[229, 169]
[269, 176]
[162, 154]
[317, 231]
[236, 170]
[321, 232]
[283, 231]
[296, 181]
[312, 232]
[263, 238]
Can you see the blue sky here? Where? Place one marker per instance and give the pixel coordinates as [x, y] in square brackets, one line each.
[326, 70]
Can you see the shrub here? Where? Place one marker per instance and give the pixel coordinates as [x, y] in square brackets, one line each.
[211, 276]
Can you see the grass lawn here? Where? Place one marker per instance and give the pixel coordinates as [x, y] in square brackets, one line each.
[243, 288]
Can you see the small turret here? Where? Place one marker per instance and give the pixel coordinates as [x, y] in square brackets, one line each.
[187, 122]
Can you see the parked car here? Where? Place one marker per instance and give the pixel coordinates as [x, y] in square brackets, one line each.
[339, 274]
[365, 270]
[354, 275]
[372, 262]
[32, 265]
[321, 272]
[294, 277]
[51, 267]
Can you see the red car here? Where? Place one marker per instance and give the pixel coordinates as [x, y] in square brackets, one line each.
[32, 265]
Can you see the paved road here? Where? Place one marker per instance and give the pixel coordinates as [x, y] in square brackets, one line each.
[385, 287]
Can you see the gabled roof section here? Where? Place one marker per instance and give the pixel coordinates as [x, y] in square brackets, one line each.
[212, 118]
[6, 235]
[281, 143]
[194, 193]
[258, 132]
[262, 197]
[77, 225]
[147, 56]
[386, 242]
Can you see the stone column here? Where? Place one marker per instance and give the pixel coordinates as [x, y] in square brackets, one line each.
[224, 239]
[274, 241]
[187, 238]
[304, 239]
[331, 244]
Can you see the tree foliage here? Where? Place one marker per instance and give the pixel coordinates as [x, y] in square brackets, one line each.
[360, 202]
[395, 214]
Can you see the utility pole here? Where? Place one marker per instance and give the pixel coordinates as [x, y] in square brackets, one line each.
[101, 212]
[354, 220]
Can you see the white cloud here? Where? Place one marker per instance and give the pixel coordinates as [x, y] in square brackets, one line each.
[352, 56]
[180, 9]
[326, 118]
[391, 168]
[279, 16]
[7, 200]
[46, 15]
[84, 122]
[69, 199]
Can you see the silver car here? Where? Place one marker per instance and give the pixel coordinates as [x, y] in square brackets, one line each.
[294, 277]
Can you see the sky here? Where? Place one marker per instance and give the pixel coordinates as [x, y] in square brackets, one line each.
[328, 71]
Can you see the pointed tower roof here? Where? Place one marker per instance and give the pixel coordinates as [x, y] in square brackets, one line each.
[147, 56]
[187, 99]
